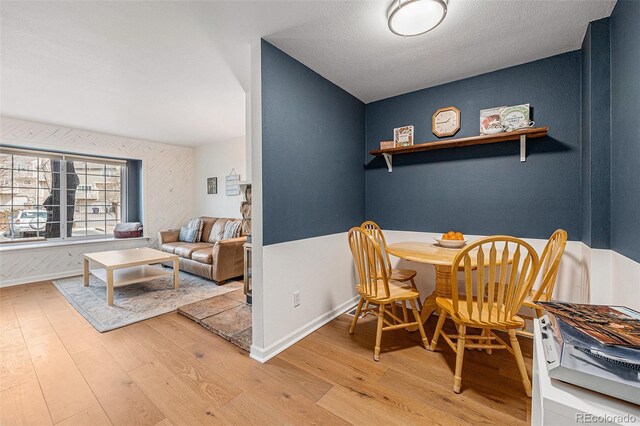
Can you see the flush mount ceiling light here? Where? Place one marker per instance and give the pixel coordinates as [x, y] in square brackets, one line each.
[410, 18]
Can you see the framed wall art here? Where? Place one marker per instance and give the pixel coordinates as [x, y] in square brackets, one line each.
[212, 185]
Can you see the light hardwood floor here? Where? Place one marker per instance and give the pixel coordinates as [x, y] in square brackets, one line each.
[56, 369]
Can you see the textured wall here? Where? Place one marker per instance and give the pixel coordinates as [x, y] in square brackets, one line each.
[586, 57]
[625, 129]
[312, 135]
[167, 191]
[483, 189]
[596, 137]
[216, 160]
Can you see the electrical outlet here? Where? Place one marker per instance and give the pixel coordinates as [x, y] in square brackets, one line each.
[296, 299]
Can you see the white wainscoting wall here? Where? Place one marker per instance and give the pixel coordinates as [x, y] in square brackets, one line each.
[322, 271]
[619, 284]
[167, 193]
[586, 275]
[568, 286]
[217, 159]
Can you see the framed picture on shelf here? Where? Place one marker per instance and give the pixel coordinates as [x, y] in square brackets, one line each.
[403, 136]
[490, 123]
[212, 185]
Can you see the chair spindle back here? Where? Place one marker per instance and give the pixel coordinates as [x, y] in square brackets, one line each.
[369, 264]
[550, 262]
[504, 274]
[376, 233]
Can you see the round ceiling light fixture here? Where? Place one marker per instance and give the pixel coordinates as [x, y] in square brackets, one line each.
[408, 18]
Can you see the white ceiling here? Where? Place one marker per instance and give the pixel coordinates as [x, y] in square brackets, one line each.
[176, 72]
[357, 51]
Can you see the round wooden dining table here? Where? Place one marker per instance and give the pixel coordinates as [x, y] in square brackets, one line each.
[431, 253]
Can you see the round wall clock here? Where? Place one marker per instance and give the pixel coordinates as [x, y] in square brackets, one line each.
[445, 121]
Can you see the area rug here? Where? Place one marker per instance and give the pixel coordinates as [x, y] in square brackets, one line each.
[227, 315]
[136, 302]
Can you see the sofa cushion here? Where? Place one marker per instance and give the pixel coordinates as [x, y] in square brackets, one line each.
[188, 235]
[207, 224]
[186, 250]
[217, 231]
[171, 247]
[203, 256]
[231, 229]
[197, 224]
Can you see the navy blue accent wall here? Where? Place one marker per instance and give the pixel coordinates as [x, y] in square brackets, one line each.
[586, 138]
[134, 191]
[625, 129]
[596, 136]
[312, 139]
[483, 189]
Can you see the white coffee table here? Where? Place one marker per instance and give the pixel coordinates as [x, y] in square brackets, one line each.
[124, 267]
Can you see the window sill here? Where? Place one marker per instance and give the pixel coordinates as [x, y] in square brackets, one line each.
[46, 244]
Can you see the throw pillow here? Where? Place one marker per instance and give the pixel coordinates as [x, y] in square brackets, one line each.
[231, 229]
[197, 224]
[188, 235]
[217, 230]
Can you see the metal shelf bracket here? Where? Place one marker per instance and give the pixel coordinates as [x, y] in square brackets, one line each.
[388, 158]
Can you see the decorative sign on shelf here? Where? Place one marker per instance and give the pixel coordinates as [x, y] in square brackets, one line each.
[387, 144]
[212, 185]
[232, 183]
[490, 121]
[515, 117]
[403, 136]
[505, 119]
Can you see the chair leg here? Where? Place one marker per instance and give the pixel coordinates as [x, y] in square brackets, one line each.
[393, 311]
[366, 306]
[355, 319]
[457, 378]
[517, 353]
[405, 314]
[416, 314]
[413, 284]
[436, 335]
[376, 350]
[487, 333]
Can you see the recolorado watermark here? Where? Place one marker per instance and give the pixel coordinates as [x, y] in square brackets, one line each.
[586, 418]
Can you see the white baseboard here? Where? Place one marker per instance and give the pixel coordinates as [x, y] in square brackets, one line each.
[39, 278]
[264, 354]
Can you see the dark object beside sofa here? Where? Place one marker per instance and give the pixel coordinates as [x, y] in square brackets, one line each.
[211, 257]
[128, 230]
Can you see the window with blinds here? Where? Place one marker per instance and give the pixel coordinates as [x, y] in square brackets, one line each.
[46, 195]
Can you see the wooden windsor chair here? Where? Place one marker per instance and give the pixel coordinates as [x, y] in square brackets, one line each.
[549, 265]
[402, 275]
[493, 296]
[375, 286]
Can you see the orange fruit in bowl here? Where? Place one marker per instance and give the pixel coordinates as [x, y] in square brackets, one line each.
[452, 235]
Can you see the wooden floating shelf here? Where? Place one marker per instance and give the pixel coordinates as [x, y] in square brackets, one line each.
[522, 135]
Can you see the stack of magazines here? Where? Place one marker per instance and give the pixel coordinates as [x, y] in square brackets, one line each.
[609, 325]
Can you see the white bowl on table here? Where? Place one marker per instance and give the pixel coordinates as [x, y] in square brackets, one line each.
[451, 243]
